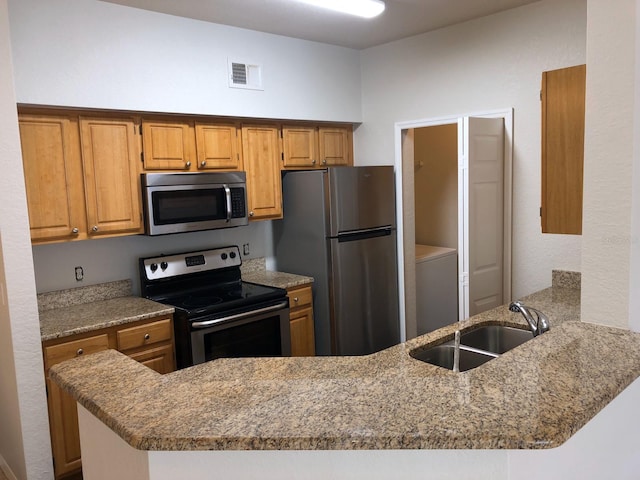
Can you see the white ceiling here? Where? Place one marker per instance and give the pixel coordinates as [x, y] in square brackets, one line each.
[401, 18]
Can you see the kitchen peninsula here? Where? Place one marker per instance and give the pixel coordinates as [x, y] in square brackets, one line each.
[374, 416]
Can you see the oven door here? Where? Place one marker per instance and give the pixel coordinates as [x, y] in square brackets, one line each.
[261, 332]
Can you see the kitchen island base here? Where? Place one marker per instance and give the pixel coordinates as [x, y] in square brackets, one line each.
[606, 447]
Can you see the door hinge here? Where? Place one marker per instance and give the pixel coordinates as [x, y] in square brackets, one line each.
[541, 211]
[140, 129]
[540, 95]
[282, 156]
[142, 157]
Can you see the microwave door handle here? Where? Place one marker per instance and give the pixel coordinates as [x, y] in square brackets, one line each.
[227, 192]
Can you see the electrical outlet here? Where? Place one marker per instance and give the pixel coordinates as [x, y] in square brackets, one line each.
[79, 274]
[245, 249]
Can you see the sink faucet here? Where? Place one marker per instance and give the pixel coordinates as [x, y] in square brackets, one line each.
[539, 325]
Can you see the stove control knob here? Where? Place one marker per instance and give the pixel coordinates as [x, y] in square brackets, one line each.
[153, 267]
[164, 265]
[232, 254]
[223, 256]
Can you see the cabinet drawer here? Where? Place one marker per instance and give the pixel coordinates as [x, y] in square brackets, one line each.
[300, 297]
[142, 335]
[66, 351]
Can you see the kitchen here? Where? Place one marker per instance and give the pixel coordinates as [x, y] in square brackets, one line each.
[101, 90]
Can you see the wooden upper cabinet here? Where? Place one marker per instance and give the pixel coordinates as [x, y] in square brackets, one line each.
[53, 177]
[217, 146]
[299, 147]
[563, 107]
[110, 157]
[305, 147]
[261, 157]
[334, 145]
[168, 145]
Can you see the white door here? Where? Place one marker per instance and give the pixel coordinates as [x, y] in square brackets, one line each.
[480, 214]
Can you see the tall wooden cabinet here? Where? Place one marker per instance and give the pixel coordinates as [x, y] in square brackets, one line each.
[53, 177]
[110, 156]
[261, 156]
[81, 176]
[149, 342]
[563, 107]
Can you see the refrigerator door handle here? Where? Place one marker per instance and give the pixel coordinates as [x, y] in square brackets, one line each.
[366, 233]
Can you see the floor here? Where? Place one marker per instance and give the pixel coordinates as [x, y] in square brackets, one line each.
[2, 475]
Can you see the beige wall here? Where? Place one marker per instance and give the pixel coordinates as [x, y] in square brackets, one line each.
[608, 162]
[24, 430]
[436, 185]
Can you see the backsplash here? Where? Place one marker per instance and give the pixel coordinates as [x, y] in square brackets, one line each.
[81, 295]
[565, 279]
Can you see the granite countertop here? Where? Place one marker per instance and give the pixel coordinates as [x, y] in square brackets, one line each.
[254, 271]
[533, 397]
[85, 309]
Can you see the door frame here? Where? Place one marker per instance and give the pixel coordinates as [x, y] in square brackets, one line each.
[400, 127]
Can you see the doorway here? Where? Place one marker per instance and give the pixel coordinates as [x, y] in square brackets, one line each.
[444, 174]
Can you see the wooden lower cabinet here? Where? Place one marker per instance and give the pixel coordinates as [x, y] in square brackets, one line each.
[301, 321]
[149, 342]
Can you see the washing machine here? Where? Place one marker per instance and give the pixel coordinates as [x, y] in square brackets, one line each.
[436, 287]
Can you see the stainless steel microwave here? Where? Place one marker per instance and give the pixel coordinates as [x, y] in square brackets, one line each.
[188, 202]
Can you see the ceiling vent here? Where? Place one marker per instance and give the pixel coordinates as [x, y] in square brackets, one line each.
[245, 75]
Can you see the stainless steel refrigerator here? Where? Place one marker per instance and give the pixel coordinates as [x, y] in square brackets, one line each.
[339, 227]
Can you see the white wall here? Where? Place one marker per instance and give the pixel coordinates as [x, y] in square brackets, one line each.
[608, 168]
[95, 54]
[490, 63]
[24, 437]
[634, 284]
[100, 55]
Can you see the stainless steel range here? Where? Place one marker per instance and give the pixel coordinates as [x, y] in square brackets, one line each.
[217, 314]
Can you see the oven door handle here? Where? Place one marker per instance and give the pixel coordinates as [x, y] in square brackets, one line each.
[227, 193]
[240, 316]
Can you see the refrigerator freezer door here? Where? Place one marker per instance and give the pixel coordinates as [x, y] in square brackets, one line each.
[364, 294]
[361, 198]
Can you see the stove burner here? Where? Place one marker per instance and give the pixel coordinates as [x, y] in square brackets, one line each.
[200, 301]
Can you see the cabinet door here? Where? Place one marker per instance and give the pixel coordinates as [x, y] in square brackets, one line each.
[301, 321]
[217, 146]
[302, 336]
[167, 145]
[563, 106]
[160, 359]
[299, 147]
[63, 412]
[334, 145]
[261, 153]
[110, 156]
[53, 177]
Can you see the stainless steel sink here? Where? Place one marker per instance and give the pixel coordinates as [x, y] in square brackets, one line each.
[476, 347]
[495, 338]
[442, 356]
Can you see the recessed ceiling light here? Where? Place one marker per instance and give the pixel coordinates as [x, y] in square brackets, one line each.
[360, 8]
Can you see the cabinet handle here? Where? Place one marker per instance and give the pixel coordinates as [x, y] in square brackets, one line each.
[187, 165]
[95, 228]
[79, 352]
[147, 336]
[203, 164]
[313, 162]
[75, 230]
[251, 213]
[295, 299]
[324, 161]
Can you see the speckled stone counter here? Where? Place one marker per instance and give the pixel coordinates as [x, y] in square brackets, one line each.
[81, 310]
[533, 397]
[255, 271]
